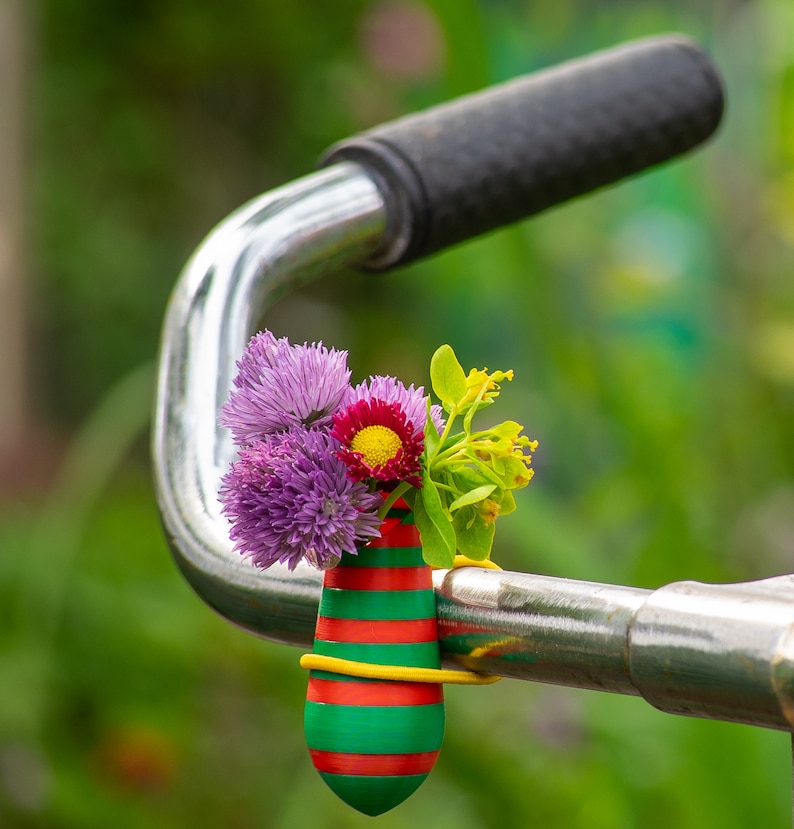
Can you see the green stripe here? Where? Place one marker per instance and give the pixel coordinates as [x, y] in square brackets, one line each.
[377, 604]
[339, 677]
[384, 557]
[374, 729]
[406, 515]
[373, 795]
[414, 655]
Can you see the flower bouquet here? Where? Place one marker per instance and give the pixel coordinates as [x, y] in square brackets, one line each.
[375, 485]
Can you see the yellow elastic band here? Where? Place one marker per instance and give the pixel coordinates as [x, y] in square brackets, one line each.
[368, 670]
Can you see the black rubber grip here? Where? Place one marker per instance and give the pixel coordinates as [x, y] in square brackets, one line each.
[488, 159]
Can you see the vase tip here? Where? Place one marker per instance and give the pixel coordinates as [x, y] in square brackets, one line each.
[373, 795]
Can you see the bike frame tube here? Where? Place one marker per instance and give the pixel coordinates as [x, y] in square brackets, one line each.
[719, 651]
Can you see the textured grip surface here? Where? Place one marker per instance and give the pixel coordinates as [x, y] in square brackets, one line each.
[488, 159]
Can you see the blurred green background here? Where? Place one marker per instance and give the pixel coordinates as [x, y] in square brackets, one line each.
[651, 328]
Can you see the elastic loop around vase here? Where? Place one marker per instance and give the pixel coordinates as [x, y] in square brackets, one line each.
[465, 561]
[369, 670]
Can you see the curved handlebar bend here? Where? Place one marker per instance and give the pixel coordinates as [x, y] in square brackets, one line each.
[713, 651]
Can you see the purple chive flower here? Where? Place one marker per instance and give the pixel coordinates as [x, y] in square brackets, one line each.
[289, 498]
[411, 400]
[280, 386]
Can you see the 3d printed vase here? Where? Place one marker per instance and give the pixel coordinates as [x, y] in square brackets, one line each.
[375, 741]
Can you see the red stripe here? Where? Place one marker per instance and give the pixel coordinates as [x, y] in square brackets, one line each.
[373, 765]
[338, 692]
[399, 535]
[376, 632]
[379, 578]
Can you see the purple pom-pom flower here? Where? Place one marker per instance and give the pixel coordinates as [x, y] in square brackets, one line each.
[289, 497]
[280, 386]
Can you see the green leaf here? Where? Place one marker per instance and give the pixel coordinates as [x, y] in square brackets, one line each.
[472, 497]
[516, 474]
[464, 478]
[507, 502]
[447, 376]
[508, 429]
[474, 538]
[435, 528]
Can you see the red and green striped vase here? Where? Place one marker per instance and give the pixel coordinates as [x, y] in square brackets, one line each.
[374, 741]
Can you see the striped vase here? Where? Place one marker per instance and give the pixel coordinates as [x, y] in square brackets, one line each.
[375, 741]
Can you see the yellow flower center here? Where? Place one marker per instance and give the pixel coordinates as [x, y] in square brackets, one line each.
[377, 444]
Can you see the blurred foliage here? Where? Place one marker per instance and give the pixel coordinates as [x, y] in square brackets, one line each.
[651, 328]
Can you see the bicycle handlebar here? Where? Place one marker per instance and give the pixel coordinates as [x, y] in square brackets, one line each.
[724, 651]
[488, 159]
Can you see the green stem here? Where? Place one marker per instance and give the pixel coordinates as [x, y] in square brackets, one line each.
[459, 458]
[475, 407]
[446, 487]
[392, 498]
[487, 472]
[457, 447]
[448, 427]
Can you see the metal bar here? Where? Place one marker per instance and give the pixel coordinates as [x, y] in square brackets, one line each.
[719, 651]
[722, 651]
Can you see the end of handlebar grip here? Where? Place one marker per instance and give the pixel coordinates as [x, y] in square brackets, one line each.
[490, 158]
